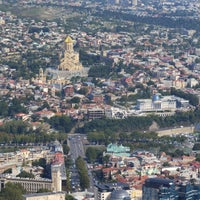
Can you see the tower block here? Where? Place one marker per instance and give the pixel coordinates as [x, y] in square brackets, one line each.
[56, 178]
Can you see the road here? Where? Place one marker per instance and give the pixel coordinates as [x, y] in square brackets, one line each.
[76, 147]
[176, 131]
[75, 143]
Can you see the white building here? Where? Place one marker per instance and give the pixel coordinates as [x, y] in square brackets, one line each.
[158, 103]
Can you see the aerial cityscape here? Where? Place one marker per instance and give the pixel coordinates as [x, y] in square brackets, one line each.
[99, 100]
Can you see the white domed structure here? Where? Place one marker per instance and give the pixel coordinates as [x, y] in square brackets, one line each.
[120, 195]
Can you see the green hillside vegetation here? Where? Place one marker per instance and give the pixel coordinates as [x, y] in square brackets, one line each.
[130, 124]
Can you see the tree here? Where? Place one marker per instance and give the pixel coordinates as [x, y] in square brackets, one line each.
[65, 149]
[196, 147]
[198, 157]
[12, 191]
[45, 105]
[62, 123]
[100, 71]
[47, 171]
[83, 90]
[3, 108]
[88, 59]
[68, 185]
[83, 173]
[69, 197]
[178, 153]
[41, 162]
[76, 106]
[75, 100]
[43, 190]
[25, 174]
[16, 107]
[91, 154]
[8, 171]
[15, 127]
[166, 164]
[193, 99]
[97, 137]
[106, 159]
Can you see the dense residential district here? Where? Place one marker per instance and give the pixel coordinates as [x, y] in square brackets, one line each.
[99, 100]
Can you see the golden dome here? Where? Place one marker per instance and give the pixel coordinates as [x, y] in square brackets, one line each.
[68, 40]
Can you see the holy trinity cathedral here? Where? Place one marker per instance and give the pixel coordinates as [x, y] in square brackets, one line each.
[70, 61]
[69, 66]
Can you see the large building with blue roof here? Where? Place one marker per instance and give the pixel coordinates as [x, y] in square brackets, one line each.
[162, 103]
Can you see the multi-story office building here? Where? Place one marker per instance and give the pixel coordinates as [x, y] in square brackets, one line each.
[189, 191]
[166, 189]
[159, 189]
[96, 113]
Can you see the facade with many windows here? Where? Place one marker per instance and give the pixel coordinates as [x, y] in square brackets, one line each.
[158, 103]
[159, 189]
[30, 185]
[165, 189]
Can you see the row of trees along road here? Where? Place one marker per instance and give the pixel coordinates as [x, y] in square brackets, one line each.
[83, 173]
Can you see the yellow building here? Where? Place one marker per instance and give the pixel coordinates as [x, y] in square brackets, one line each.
[70, 61]
[135, 194]
[40, 78]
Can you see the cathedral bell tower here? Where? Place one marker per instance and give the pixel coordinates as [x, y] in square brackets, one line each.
[69, 44]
